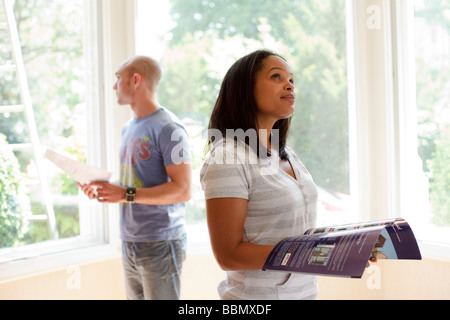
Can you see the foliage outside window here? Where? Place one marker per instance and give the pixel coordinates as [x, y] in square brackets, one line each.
[203, 40]
[11, 217]
[432, 29]
[52, 40]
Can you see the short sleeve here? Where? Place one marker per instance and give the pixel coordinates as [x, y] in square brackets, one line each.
[174, 144]
[223, 176]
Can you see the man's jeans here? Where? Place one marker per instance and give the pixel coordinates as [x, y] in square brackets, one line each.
[153, 269]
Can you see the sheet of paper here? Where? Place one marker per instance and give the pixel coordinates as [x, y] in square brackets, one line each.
[77, 170]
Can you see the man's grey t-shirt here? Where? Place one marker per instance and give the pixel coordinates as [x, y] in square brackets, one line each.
[149, 145]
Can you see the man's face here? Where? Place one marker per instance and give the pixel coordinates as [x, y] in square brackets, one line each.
[123, 88]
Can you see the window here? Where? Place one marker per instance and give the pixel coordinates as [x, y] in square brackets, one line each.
[198, 40]
[424, 87]
[59, 45]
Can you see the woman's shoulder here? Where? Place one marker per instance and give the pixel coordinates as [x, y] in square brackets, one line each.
[229, 151]
[226, 145]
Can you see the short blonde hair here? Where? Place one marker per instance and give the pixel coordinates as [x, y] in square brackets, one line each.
[148, 68]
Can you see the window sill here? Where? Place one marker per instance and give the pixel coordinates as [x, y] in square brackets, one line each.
[434, 251]
[12, 270]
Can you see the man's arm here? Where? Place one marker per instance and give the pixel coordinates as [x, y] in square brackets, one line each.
[175, 191]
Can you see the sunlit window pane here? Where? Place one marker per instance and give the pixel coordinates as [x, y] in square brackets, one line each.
[432, 20]
[197, 41]
[56, 53]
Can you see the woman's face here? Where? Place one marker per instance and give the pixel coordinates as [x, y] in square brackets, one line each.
[274, 91]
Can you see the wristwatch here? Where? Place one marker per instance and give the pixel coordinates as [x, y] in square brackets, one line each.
[130, 195]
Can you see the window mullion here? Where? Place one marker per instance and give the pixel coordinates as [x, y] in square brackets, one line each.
[373, 110]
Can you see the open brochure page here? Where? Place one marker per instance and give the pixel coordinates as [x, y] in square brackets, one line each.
[344, 250]
[352, 226]
[78, 171]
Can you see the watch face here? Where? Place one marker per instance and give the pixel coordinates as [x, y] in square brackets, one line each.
[131, 193]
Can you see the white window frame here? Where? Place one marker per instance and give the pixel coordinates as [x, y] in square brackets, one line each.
[371, 109]
[382, 98]
[115, 44]
[409, 162]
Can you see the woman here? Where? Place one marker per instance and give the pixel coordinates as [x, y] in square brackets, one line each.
[257, 190]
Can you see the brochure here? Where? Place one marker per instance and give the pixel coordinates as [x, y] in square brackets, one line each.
[344, 250]
[77, 170]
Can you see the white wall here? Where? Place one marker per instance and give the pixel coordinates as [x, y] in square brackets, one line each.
[103, 280]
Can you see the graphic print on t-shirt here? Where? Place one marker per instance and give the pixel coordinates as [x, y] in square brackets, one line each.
[134, 150]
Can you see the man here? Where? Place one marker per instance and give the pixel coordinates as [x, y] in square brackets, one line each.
[155, 181]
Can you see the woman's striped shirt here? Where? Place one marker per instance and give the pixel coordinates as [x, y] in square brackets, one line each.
[279, 206]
